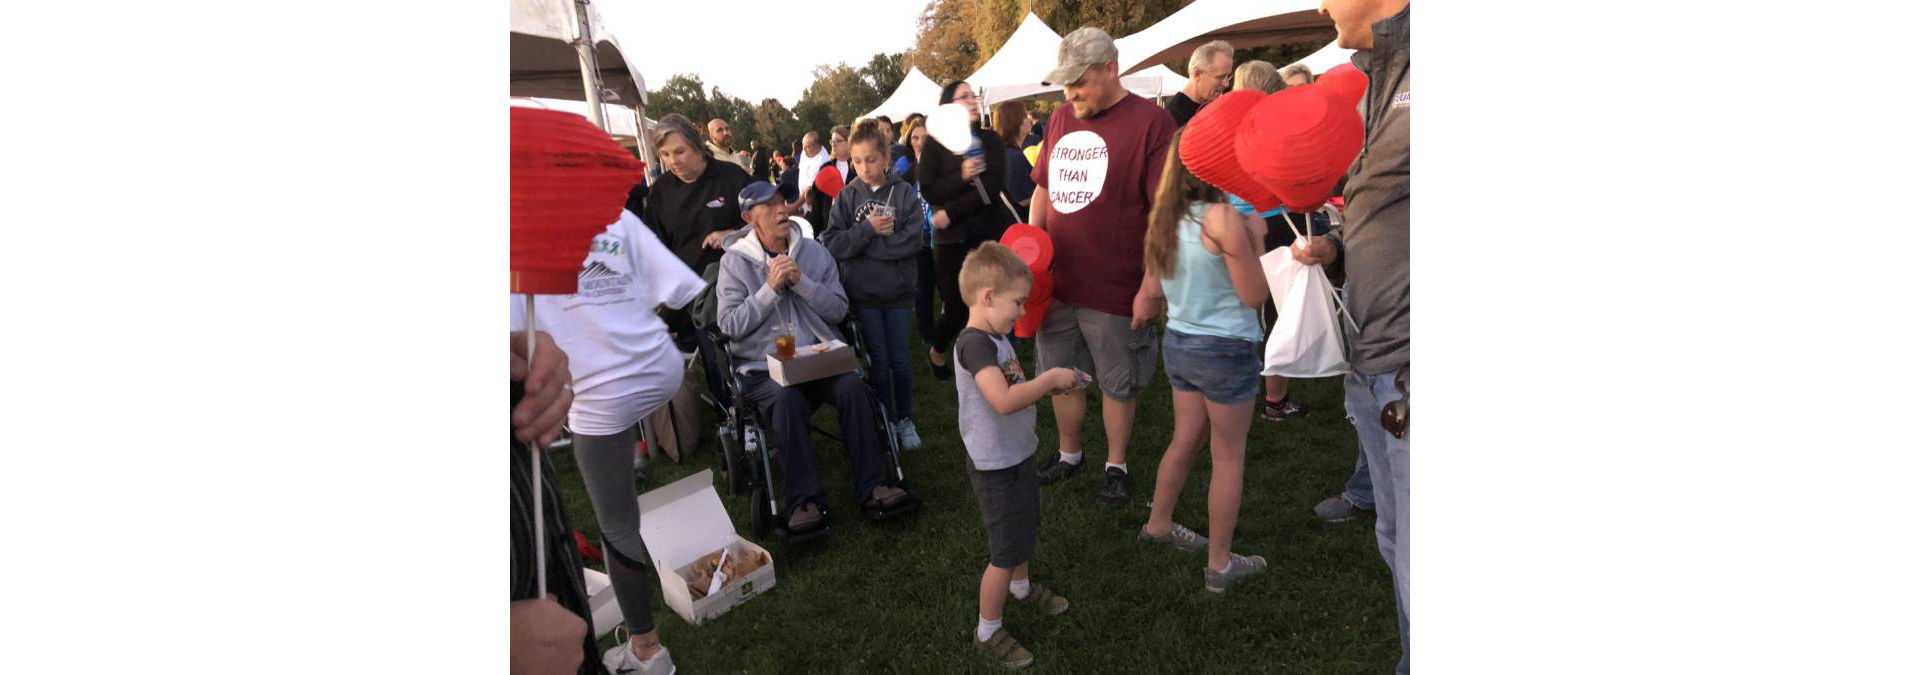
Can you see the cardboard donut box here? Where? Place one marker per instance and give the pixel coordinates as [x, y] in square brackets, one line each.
[812, 362]
[684, 522]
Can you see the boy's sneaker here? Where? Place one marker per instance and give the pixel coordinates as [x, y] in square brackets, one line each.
[909, 436]
[1003, 650]
[620, 661]
[1238, 567]
[1056, 470]
[1179, 537]
[1044, 600]
[1117, 489]
[1336, 509]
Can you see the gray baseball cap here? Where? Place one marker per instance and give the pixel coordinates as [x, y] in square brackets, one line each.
[1084, 47]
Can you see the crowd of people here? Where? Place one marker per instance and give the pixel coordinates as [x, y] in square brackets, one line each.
[897, 219]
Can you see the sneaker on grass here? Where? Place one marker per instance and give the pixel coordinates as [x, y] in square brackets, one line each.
[1336, 509]
[620, 660]
[1003, 650]
[1055, 470]
[909, 436]
[1238, 567]
[1179, 537]
[1117, 489]
[1044, 600]
[1282, 409]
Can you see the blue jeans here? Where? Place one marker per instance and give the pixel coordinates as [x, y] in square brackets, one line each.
[1386, 461]
[1359, 491]
[886, 334]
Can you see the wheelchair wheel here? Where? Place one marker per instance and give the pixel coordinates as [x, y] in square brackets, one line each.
[733, 463]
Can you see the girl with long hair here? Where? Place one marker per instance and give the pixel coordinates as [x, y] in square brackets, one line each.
[1203, 258]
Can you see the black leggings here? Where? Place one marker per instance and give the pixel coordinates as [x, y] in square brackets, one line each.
[953, 316]
[923, 296]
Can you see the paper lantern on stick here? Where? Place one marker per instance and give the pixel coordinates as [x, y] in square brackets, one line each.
[1298, 143]
[1036, 249]
[1345, 82]
[1206, 148]
[569, 180]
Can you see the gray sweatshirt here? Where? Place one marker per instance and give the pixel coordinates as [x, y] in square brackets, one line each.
[1373, 240]
[749, 311]
[877, 272]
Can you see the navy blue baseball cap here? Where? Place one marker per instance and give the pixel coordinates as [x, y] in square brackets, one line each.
[757, 192]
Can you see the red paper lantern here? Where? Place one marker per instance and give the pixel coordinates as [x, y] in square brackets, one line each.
[1298, 143]
[1038, 300]
[829, 181]
[569, 180]
[1345, 82]
[1206, 147]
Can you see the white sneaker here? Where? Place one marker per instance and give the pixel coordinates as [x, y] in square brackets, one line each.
[909, 436]
[620, 661]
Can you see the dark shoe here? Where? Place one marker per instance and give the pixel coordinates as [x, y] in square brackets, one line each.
[940, 372]
[1282, 409]
[806, 518]
[1057, 470]
[1044, 600]
[886, 497]
[1337, 509]
[1117, 489]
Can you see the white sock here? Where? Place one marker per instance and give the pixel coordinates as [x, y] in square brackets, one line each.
[985, 629]
[1019, 588]
[1228, 568]
[1121, 467]
[1073, 458]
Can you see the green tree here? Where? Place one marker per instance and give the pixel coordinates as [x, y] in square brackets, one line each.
[884, 72]
[684, 94]
[775, 125]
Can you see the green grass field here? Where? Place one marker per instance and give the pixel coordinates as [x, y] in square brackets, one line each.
[900, 596]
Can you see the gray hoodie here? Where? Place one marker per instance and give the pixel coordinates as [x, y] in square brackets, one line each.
[749, 310]
[878, 272]
[1373, 242]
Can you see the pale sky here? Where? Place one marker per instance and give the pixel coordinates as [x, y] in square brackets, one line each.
[756, 49]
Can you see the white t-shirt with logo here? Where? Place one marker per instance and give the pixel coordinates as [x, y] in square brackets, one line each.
[624, 365]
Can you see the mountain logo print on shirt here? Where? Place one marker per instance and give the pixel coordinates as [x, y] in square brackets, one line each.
[1079, 165]
[595, 270]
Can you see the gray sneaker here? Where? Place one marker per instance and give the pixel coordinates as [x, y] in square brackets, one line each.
[1336, 509]
[1238, 567]
[1179, 537]
[909, 436]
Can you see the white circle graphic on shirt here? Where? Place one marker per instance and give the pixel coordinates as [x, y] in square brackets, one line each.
[1078, 162]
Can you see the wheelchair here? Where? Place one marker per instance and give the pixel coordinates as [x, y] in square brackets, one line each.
[747, 454]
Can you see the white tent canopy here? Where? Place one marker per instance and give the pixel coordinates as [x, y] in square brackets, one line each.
[622, 122]
[1016, 69]
[1328, 57]
[1242, 24]
[545, 65]
[1154, 82]
[916, 94]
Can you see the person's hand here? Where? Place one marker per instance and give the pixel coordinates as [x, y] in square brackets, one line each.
[1320, 252]
[1060, 380]
[782, 272]
[882, 224]
[714, 238]
[548, 387]
[545, 638]
[940, 221]
[1146, 306]
[972, 167]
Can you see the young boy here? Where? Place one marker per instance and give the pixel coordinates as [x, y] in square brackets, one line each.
[996, 424]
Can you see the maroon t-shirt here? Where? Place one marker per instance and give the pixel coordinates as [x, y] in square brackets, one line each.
[1100, 175]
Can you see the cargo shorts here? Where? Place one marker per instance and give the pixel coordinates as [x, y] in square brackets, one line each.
[1121, 359]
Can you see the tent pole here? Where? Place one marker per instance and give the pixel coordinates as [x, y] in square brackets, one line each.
[589, 65]
[646, 147]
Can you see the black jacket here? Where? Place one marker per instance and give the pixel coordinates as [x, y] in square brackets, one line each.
[941, 185]
[683, 214]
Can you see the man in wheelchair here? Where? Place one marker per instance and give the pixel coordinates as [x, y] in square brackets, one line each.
[770, 277]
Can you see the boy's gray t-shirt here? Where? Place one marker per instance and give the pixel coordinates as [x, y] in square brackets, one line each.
[994, 441]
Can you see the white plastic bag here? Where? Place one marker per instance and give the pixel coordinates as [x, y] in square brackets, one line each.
[1306, 338]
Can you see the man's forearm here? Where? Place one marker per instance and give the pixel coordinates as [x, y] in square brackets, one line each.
[1037, 211]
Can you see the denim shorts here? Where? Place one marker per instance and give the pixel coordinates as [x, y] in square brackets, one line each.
[1225, 370]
